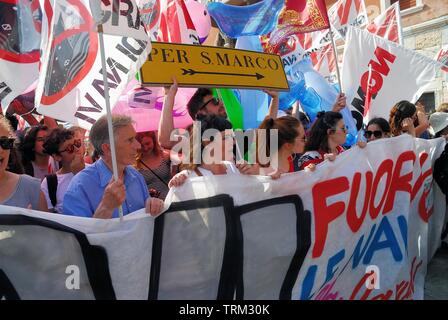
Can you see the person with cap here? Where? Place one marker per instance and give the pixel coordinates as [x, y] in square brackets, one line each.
[439, 124]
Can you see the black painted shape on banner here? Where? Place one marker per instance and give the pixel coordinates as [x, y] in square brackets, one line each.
[303, 229]
[7, 290]
[227, 280]
[192, 72]
[95, 257]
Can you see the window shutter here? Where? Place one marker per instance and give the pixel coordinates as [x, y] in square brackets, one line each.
[405, 4]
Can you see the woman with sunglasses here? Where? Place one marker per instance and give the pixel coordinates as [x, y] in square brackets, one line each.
[326, 137]
[63, 147]
[377, 128]
[16, 190]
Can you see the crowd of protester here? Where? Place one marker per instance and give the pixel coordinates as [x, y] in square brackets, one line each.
[48, 167]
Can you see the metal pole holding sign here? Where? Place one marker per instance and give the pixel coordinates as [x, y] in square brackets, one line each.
[336, 58]
[109, 113]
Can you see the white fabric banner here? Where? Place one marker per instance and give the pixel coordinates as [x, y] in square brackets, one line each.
[397, 74]
[308, 235]
[19, 48]
[72, 89]
[346, 13]
[388, 24]
[119, 17]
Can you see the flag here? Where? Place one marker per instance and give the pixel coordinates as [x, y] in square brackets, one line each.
[299, 17]
[236, 21]
[176, 25]
[118, 17]
[19, 48]
[346, 13]
[73, 88]
[442, 57]
[388, 24]
[150, 15]
[397, 74]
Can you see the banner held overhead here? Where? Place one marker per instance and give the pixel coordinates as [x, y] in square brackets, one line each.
[202, 66]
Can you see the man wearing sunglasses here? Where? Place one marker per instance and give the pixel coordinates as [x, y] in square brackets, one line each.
[62, 146]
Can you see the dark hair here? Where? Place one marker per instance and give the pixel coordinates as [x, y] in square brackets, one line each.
[380, 122]
[54, 140]
[400, 111]
[13, 120]
[207, 122]
[318, 136]
[196, 101]
[28, 144]
[287, 131]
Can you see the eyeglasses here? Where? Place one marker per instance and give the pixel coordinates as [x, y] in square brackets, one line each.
[71, 148]
[213, 100]
[6, 143]
[303, 139]
[377, 134]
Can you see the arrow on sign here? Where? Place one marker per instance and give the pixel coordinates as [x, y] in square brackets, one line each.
[193, 72]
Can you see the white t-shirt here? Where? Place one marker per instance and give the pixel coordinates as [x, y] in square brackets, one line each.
[63, 182]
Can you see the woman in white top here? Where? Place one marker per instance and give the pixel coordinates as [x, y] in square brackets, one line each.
[211, 150]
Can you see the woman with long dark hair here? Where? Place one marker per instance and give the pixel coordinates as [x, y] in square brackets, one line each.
[325, 140]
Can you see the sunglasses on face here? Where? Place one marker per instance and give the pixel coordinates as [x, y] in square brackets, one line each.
[71, 148]
[214, 101]
[376, 134]
[6, 143]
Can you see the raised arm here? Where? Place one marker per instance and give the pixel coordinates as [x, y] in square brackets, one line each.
[273, 107]
[166, 124]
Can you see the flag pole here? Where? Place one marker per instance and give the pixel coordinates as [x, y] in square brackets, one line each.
[335, 53]
[400, 30]
[109, 113]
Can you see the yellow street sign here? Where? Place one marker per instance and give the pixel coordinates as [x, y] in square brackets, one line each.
[204, 66]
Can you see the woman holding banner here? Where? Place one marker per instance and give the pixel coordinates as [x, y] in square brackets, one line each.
[291, 143]
[326, 137]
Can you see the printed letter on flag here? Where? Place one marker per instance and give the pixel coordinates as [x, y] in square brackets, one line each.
[397, 74]
[119, 17]
[73, 87]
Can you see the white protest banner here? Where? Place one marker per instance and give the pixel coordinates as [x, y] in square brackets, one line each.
[19, 48]
[397, 74]
[308, 235]
[118, 17]
[150, 12]
[388, 24]
[346, 13]
[73, 88]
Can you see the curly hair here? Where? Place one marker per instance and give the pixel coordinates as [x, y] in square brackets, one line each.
[400, 111]
[54, 140]
[318, 136]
